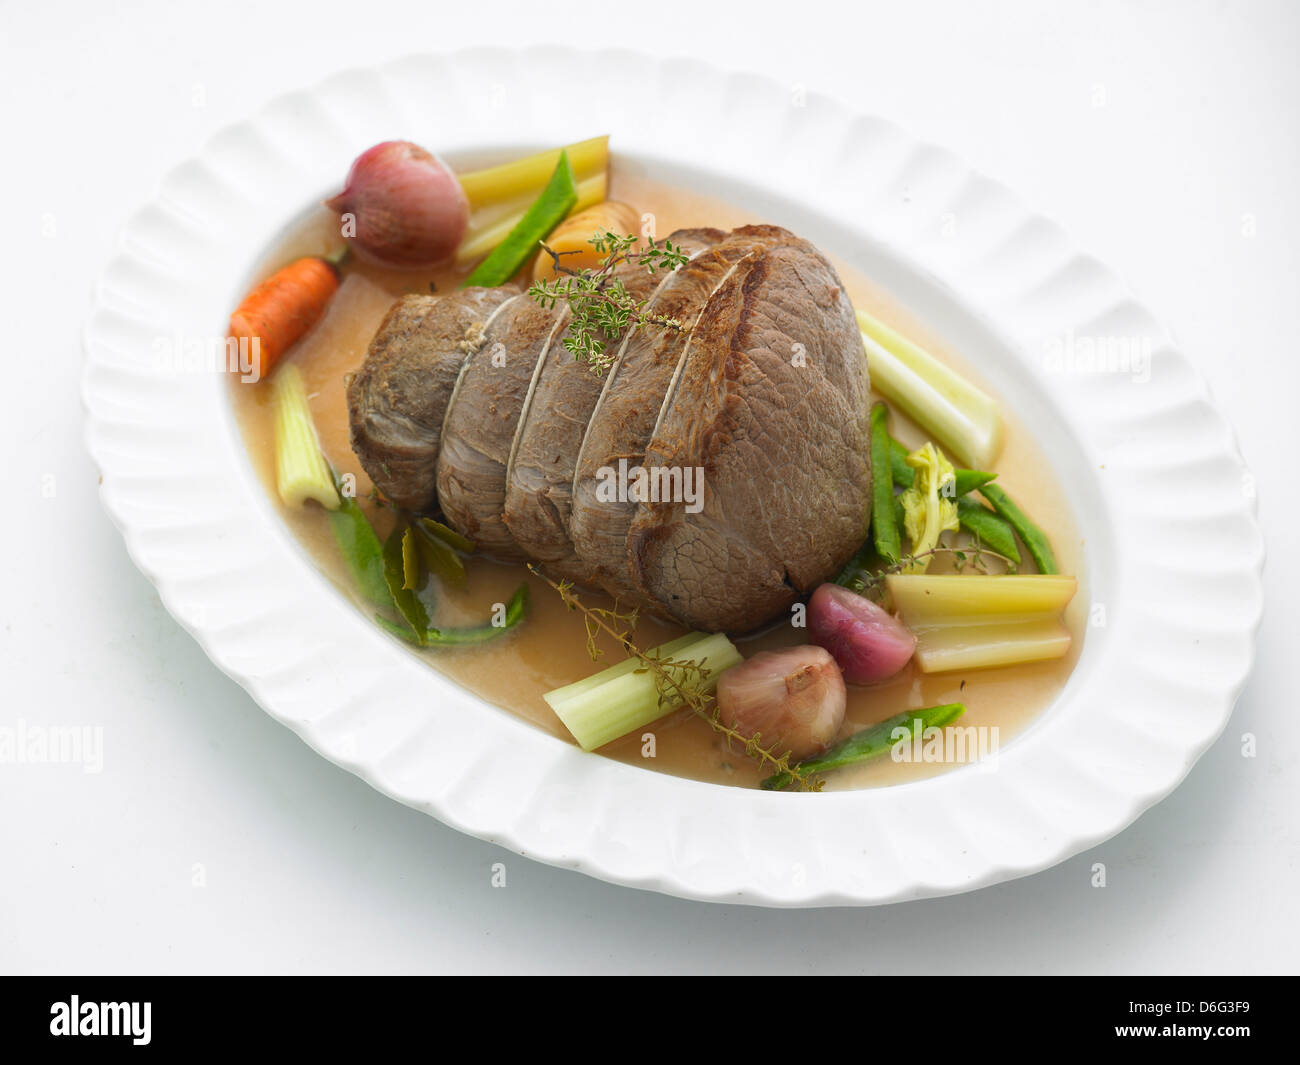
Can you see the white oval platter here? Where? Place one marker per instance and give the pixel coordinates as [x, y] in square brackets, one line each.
[1174, 553]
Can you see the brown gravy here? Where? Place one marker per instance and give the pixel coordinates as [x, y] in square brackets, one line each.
[549, 649]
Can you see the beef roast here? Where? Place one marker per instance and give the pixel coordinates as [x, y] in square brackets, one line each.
[482, 415]
[762, 386]
[770, 401]
[397, 400]
[629, 406]
[556, 413]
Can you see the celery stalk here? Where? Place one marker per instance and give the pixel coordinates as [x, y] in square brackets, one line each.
[484, 235]
[625, 697]
[975, 622]
[931, 599]
[928, 508]
[301, 472]
[956, 413]
[525, 178]
[997, 643]
[628, 665]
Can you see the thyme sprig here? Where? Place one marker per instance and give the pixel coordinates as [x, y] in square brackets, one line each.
[600, 305]
[677, 681]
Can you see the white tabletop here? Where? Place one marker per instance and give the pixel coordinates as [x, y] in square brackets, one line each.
[1162, 135]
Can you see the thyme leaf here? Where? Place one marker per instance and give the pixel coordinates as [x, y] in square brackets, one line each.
[600, 306]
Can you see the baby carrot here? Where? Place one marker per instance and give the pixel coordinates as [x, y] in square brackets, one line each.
[281, 310]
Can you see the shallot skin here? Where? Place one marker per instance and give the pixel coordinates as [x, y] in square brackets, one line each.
[867, 642]
[793, 699]
[407, 208]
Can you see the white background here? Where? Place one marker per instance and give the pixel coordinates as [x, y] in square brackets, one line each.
[1162, 135]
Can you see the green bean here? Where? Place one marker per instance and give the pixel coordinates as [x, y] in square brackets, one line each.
[515, 611]
[870, 742]
[361, 550]
[988, 528]
[547, 212]
[969, 480]
[1030, 534]
[904, 475]
[885, 529]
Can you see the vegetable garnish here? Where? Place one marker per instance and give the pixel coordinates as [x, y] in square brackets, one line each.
[884, 527]
[570, 244]
[489, 228]
[548, 211]
[974, 622]
[600, 305]
[929, 507]
[282, 309]
[361, 550]
[450, 536]
[952, 410]
[682, 683]
[792, 698]
[499, 624]
[389, 575]
[525, 178]
[987, 527]
[995, 643]
[410, 561]
[867, 642]
[966, 480]
[1034, 539]
[871, 742]
[401, 206]
[437, 555]
[301, 472]
[628, 696]
[407, 601]
[943, 598]
[977, 558]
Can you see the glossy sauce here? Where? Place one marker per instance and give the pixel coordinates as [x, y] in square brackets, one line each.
[549, 648]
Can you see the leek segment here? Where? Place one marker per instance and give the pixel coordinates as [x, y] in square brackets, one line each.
[523, 179]
[947, 406]
[624, 697]
[301, 472]
[978, 622]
